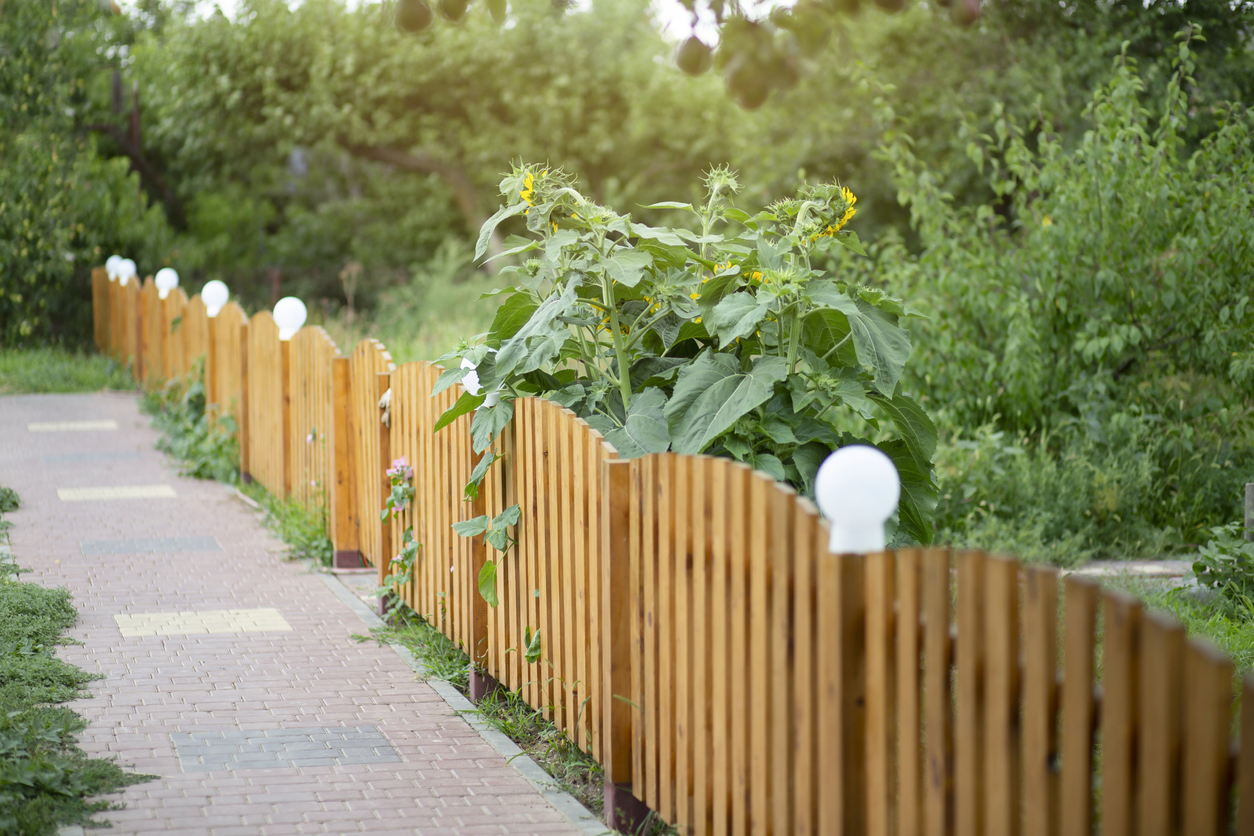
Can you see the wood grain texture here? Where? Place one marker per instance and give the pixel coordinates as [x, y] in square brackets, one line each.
[1078, 709]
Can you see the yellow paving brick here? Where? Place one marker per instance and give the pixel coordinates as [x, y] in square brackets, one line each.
[70, 426]
[205, 622]
[120, 492]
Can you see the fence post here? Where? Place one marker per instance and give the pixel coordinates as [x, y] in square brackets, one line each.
[211, 369]
[141, 334]
[385, 462]
[343, 491]
[285, 433]
[100, 306]
[245, 440]
[623, 811]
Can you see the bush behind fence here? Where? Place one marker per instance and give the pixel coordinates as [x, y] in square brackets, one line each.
[698, 639]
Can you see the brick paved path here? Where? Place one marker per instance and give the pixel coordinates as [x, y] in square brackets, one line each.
[229, 671]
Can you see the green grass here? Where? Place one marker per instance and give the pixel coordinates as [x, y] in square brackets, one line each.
[38, 370]
[303, 529]
[45, 779]
[1228, 626]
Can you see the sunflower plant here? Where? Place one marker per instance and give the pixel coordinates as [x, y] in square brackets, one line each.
[725, 338]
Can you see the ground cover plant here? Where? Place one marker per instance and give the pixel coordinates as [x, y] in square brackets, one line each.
[204, 440]
[58, 369]
[46, 781]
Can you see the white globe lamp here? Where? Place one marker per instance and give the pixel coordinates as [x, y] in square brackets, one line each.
[166, 280]
[215, 295]
[289, 315]
[111, 266]
[857, 489]
[126, 270]
[471, 383]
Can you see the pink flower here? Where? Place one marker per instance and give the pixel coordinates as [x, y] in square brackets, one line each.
[309, 439]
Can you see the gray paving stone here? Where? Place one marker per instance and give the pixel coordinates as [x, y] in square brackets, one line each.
[68, 458]
[150, 545]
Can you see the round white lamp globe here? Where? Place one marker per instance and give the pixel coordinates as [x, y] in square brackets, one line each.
[289, 315]
[215, 295]
[111, 266]
[126, 270]
[471, 383]
[166, 280]
[857, 489]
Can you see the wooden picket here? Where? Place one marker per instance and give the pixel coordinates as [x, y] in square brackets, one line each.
[312, 360]
[150, 327]
[195, 328]
[368, 360]
[225, 373]
[697, 637]
[266, 442]
[175, 359]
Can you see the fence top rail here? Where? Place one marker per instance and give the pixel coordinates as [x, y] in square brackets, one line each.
[370, 344]
[315, 333]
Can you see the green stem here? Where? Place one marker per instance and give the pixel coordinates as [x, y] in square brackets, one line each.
[833, 349]
[620, 350]
[794, 341]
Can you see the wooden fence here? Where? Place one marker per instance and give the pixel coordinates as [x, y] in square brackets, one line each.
[699, 640]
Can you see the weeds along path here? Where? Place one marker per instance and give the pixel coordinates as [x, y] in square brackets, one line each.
[229, 671]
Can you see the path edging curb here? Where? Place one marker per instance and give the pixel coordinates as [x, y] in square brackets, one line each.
[578, 815]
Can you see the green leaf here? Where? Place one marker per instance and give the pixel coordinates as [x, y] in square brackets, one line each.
[626, 266]
[518, 354]
[510, 516]
[448, 378]
[488, 423]
[918, 492]
[515, 250]
[487, 583]
[471, 492]
[512, 315]
[645, 430]
[668, 204]
[767, 463]
[465, 404]
[713, 393]
[777, 429]
[736, 316]
[881, 344]
[664, 236]
[489, 226]
[917, 430]
[473, 527]
[532, 641]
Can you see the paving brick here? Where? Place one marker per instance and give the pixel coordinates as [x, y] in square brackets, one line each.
[187, 705]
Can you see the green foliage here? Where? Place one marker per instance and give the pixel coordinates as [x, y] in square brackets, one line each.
[1064, 500]
[1226, 565]
[1100, 305]
[727, 341]
[62, 208]
[9, 500]
[45, 779]
[56, 369]
[204, 441]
